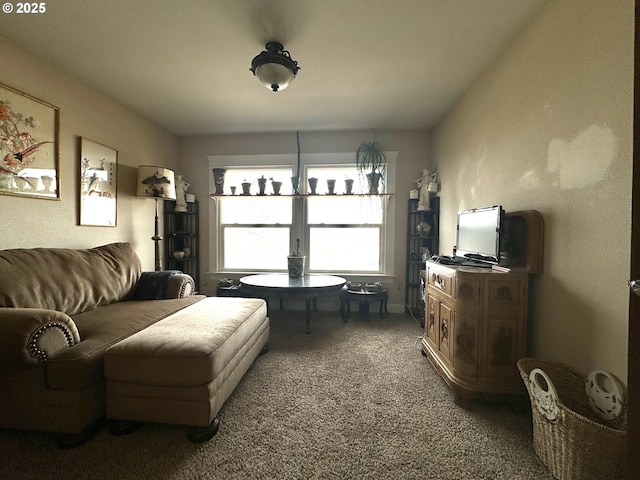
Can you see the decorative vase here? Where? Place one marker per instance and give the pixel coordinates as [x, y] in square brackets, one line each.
[262, 183]
[47, 181]
[233, 190]
[331, 187]
[218, 180]
[276, 187]
[313, 184]
[374, 181]
[423, 229]
[6, 181]
[295, 264]
[33, 182]
[246, 188]
[348, 186]
[21, 184]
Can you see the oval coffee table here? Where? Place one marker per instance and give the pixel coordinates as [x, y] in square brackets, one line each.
[281, 285]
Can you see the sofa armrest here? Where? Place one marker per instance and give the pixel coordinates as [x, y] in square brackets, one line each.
[180, 285]
[32, 335]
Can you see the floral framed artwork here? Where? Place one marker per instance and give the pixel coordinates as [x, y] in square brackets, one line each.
[98, 184]
[29, 131]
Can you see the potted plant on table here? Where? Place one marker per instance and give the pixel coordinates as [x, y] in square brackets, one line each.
[370, 162]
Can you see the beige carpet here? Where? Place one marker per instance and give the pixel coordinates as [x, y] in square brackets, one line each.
[353, 400]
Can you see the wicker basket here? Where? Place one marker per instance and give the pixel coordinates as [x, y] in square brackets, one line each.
[578, 444]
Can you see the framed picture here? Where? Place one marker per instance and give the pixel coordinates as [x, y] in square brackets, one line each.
[29, 164]
[98, 184]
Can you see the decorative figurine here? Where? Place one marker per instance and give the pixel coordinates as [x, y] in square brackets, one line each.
[181, 194]
[426, 185]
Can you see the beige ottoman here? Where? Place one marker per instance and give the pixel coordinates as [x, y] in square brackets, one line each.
[182, 369]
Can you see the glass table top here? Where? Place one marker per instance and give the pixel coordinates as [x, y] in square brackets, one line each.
[283, 280]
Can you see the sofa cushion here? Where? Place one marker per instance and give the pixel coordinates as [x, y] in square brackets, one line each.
[82, 364]
[67, 280]
[190, 347]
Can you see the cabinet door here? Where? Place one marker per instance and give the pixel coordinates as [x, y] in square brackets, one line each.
[505, 340]
[505, 326]
[465, 343]
[444, 331]
[431, 320]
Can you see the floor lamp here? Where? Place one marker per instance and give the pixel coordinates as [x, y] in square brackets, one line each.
[157, 183]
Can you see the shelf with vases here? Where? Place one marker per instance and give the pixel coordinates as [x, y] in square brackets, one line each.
[304, 195]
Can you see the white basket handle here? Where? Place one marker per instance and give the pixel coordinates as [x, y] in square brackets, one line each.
[604, 394]
[546, 400]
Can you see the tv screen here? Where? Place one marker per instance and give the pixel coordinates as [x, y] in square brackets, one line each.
[479, 234]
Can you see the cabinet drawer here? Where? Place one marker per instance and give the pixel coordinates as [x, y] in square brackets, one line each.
[440, 279]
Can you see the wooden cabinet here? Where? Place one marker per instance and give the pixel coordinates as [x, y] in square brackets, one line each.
[182, 235]
[418, 242]
[475, 328]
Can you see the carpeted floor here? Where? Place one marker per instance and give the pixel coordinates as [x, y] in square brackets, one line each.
[353, 400]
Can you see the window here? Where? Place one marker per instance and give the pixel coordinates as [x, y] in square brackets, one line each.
[255, 231]
[340, 233]
[344, 232]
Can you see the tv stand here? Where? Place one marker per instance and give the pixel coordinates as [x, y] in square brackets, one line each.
[476, 318]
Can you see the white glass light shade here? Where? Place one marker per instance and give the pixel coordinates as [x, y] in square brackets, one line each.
[156, 182]
[274, 76]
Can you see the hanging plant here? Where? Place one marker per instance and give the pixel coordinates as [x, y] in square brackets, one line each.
[370, 162]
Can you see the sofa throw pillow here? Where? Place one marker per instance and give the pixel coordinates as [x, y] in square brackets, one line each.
[153, 285]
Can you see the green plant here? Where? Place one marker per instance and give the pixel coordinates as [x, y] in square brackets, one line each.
[370, 162]
[370, 158]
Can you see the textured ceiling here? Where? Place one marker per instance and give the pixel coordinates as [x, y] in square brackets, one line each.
[364, 63]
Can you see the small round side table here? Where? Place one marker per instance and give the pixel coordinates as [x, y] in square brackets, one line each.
[363, 297]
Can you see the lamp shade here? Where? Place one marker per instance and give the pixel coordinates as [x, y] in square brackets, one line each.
[156, 182]
[274, 67]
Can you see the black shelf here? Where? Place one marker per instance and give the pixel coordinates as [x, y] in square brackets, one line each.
[416, 245]
[181, 231]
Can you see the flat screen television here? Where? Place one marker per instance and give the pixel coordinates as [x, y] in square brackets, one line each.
[479, 234]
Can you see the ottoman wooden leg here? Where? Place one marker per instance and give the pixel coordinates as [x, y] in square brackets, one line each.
[122, 427]
[72, 440]
[202, 434]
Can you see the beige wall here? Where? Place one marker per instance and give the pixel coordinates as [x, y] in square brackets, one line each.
[549, 127]
[412, 146]
[84, 112]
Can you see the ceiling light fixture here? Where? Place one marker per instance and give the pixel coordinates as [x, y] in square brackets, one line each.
[274, 67]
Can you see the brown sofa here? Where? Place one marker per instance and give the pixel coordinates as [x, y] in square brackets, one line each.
[60, 309]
